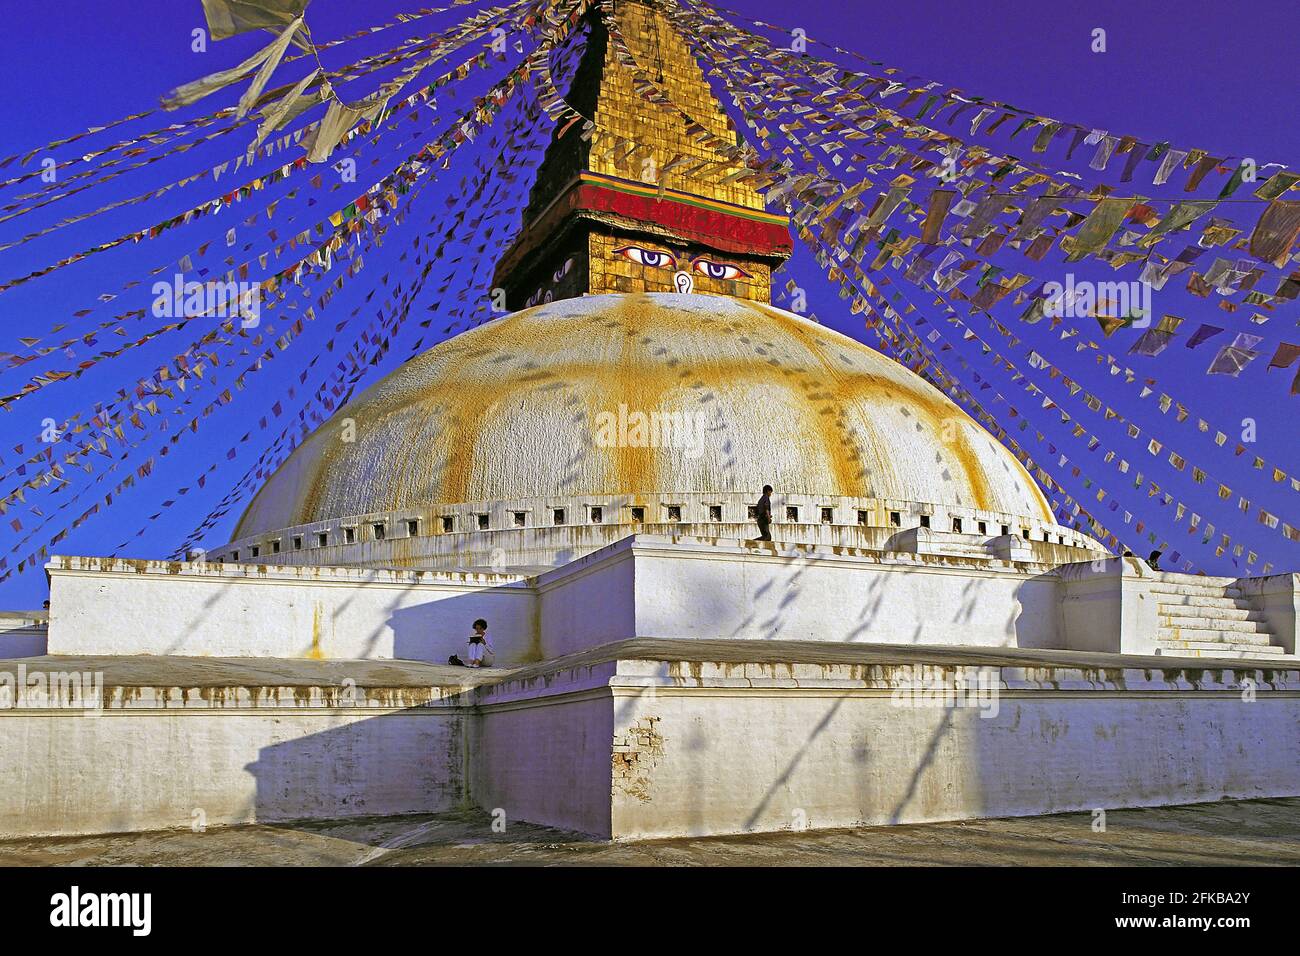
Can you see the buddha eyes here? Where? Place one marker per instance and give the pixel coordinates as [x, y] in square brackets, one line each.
[647, 257]
[718, 270]
[657, 259]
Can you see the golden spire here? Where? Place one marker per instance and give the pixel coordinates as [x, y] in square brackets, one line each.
[641, 204]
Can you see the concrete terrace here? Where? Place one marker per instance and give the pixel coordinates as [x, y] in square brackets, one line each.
[135, 671]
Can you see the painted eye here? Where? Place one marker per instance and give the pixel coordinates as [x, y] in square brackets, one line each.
[647, 257]
[719, 270]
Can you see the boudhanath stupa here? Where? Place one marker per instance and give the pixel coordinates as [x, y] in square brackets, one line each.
[921, 640]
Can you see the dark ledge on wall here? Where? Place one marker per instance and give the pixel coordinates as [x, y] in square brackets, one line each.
[729, 651]
[175, 671]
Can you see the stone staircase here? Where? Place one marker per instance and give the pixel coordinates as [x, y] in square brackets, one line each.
[1208, 617]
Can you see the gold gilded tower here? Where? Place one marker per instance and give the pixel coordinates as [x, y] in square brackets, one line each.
[640, 204]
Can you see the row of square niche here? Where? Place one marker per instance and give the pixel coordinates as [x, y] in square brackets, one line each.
[596, 514]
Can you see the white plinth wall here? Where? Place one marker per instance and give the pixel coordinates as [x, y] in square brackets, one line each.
[659, 686]
[648, 739]
[721, 747]
[941, 592]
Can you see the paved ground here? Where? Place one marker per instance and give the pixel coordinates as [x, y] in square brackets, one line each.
[1230, 833]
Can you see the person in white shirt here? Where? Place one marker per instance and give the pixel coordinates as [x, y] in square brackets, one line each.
[480, 651]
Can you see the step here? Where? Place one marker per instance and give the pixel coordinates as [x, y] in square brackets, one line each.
[1211, 634]
[1199, 600]
[1215, 649]
[1212, 624]
[1195, 590]
[963, 550]
[1215, 611]
[1177, 577]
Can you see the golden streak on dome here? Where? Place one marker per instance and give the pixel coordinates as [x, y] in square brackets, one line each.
[508, 410]
[937, 407]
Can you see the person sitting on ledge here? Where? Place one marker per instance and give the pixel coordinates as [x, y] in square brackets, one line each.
[480, 651]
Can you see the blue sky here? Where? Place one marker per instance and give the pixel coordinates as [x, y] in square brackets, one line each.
[1195, 74]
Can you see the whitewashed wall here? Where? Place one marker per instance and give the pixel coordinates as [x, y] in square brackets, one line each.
[634, 749]
[644, 586]
[102, 606]
[647, 586]
[1107, 605]
[589, 602]
[1278, 597]
[724, 590]
[715, 761]
[540, 751]
[121, 772]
